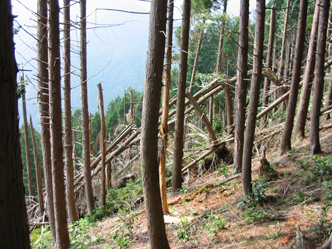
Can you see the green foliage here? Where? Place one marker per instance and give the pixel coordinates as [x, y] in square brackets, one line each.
[223, 169]
[122, 200]
[214, 224]
[98, 214]
[183, 233]
[124, 234]
[323, 226]
[299, 197]
[252, 214]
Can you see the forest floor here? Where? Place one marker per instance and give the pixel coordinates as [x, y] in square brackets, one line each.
[210, 213]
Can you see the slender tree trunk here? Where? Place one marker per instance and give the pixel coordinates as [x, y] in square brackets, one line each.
[287, 134]
[269, 62]
[254, 97]
[13, 216]
[102, 146]
[72, 214]
[149, 136]
[85, 113]
[241, 85]
[62, 236]
[164, 117]
[319, 78]
[74, 152]
[302, 112]
[27, 147]
[43, 101]
[179, 123]
[328, 100]
[38, 171]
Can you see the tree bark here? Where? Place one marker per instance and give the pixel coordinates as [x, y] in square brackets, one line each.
[241, 85]
[44, 112]
[27, 147]
[164, 117]
[319, 78]
[102, 146]
[13, 216]
[269, 62]
[289, 123]
[72, 214]
[38, 171]
[62, 236]
[179, 123]
[302, 112]
[149, 137]
[85, 113]
[254, 97]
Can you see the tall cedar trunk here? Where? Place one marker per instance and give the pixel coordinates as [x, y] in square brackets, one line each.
[72, 214]
[287, 134]
[319, 78]
[254, 97]
[102, 146]
[149, 136]
[193, 73]
[302, 112]
[328, 100]
[27, 147]
[13, 216]
[85, 113]
[269, 62]
[241, 85]
[62, 236]
[179, 123]
[227, 87]
[38, 171]
[43, 101]
[164, 117]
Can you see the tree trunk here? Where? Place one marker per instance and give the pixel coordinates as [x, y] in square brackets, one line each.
[254, 97]
[13, 216]
[179, 123]
[164, 117]
[149, 136]
[38, 171]
[302, 112]
[328, 100]
[85, 113]
[287, 134]
[269, 62]
[72, 214]
[62, 236]
[102, 146]
[27, 147]
[319, 78]
[43, 101]
[241, 85]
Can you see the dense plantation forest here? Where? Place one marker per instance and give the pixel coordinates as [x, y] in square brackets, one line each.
[228, 146]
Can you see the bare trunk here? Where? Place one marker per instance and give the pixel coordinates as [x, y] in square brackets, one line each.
[319, 78]
[102, 146]
[179, 123]
[13, 216]
[85, 113]
[62, 236]
[254, 97]
[289, 123]
[241, 85]
[38, 171]
[149, 137]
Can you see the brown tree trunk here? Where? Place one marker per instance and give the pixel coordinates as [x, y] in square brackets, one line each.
[27, 147]
[254, 97]
[149, 136]
[13, 216]
[72, 214]
[85, 113]
[269, 62]
[102, 146]
[164, 117]
[43, 101]
[287, 134]
[38, 171]
[62, 236]
[241, 85]
[179, 123]
[319, 78]
[328, 100]
[302, 112]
